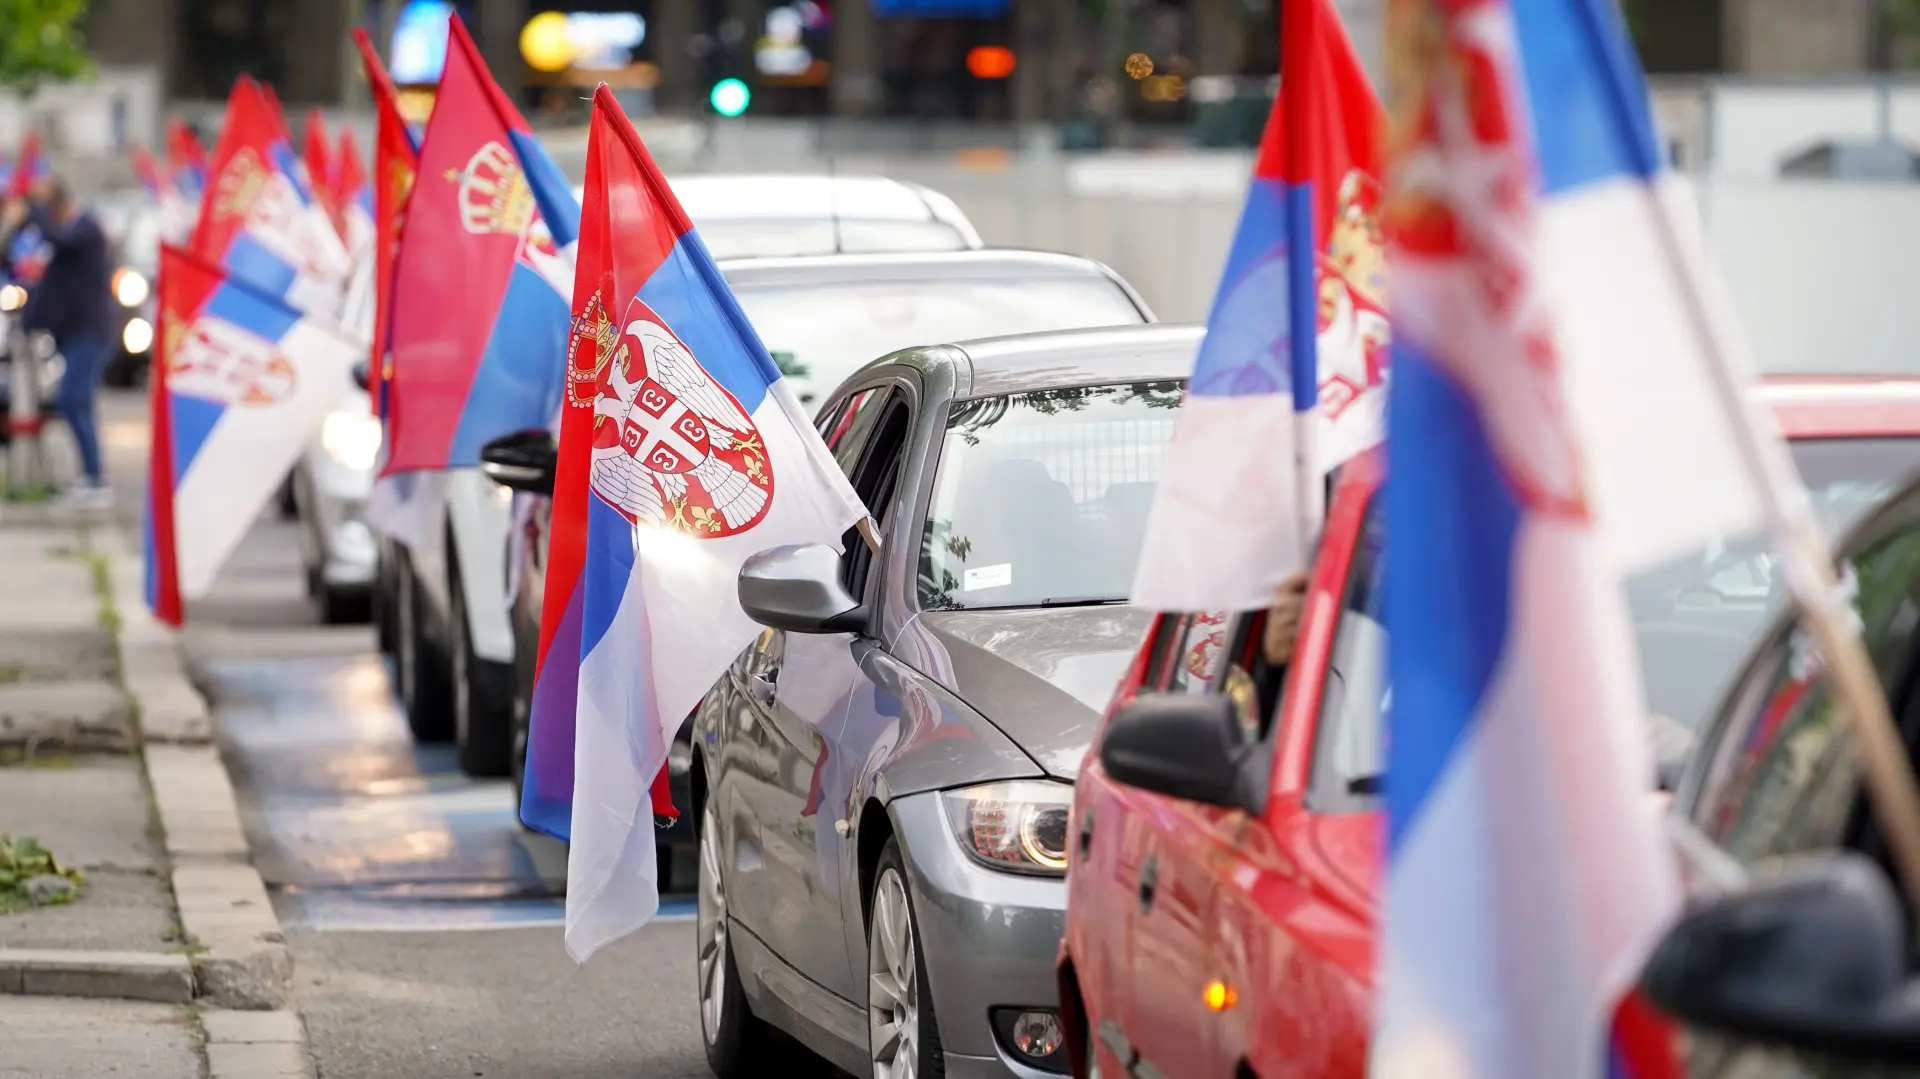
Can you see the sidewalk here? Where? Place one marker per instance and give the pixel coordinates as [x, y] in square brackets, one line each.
[106, 758]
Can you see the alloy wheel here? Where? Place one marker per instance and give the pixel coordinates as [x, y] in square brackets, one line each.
[893, 982]
[712, 925]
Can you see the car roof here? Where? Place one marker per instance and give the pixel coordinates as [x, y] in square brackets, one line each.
[804, 197]
[1843, 406]
[1062, 358]
[981, 264]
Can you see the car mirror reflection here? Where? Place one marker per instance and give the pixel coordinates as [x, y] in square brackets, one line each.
[522, 461]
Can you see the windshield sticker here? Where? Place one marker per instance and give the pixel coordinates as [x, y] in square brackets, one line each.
[998, 576]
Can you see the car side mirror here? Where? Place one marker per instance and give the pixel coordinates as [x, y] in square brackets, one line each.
[1182, 745]
[522, 461]
[362, 374]
[1811, 959]
[797, 588]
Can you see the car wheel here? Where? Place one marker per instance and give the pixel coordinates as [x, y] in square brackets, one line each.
[423, 681]
[738, 1043]
[382, 601]
[522, 727]
[903, 1037]
[482, 691]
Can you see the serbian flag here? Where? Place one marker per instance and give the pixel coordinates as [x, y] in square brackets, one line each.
[261, 221]
[353, 217]
[682, 453]
[481, 280]
[316, 157]
[242, 383]
[186, 161]
[30, 166]
[1558, 419]
[396, 159]
[176, 215]
[1231, 519]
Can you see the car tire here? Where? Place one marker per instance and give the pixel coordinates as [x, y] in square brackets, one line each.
[424, 693]
[739, 1045]
[905, 1023]
[381, 602]
[522, 727]
[482, 691]
[337, 606]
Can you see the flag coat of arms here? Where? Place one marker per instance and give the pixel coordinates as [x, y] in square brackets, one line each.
[683, 452]
[242, 381]
[1226, 525]
[261, 221]
[481, 280]
[1555, 422]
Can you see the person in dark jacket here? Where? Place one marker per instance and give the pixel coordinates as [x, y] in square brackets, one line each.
[73, 302]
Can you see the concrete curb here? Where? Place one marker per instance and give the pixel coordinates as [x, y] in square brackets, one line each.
[167, 979]
[255, 1045]
[241, 960]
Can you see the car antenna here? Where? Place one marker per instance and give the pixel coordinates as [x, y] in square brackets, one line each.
[833, 203]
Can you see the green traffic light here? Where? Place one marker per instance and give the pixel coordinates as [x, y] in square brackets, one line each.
[729, 97]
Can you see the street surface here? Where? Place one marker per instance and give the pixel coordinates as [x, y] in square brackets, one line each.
[425, 923]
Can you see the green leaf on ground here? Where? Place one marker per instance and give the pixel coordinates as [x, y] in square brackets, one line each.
[24, 860]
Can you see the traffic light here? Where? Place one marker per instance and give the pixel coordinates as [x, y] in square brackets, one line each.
[729, 97]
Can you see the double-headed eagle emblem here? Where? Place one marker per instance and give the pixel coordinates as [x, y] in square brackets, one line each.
[671, 446]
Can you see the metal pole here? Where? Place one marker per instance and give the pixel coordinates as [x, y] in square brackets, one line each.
[26, 471]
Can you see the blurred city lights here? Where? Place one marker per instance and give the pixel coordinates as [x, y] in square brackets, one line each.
[546, 43]
[1163, 88]
[729, 97]
[1139, 65]
[990, 61]
[781, 51]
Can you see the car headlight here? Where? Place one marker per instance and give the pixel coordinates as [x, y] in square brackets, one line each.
[12, 298]
[352, 439]
[1018, 826]
[138, 336]
[129, 287]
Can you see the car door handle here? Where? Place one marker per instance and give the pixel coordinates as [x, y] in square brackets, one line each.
[1149, 882]
[766, 684]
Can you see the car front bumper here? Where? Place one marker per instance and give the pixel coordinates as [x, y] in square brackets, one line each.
[989, 939]
[333, 505]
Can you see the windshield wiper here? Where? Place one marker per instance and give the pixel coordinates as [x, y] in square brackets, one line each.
[1080, 601]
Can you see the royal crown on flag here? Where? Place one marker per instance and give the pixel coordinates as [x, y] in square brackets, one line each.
[594, 339]
[494, 193]
[240, 184]
[1355, 247]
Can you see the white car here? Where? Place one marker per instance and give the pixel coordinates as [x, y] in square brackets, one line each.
[440, 599]
[331, 483]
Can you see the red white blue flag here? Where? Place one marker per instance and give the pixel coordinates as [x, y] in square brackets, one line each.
[242, 383]
[1269, 411]
[261, 221]
[1557, 420]
[186, 161]
[683, 452]
[396, 158]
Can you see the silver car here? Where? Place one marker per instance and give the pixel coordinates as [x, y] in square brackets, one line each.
[883, 778]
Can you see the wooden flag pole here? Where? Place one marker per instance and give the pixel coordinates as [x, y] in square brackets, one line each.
[870, 532]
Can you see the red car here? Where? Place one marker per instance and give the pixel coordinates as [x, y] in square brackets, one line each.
[1226, 827]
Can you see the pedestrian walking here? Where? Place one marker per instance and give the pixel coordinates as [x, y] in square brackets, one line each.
[73, 302]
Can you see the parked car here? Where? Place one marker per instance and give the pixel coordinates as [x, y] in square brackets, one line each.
[823, 309]
[132, 224]
[331, 483]
[884, 808]
[1227, 834]
[454, 667]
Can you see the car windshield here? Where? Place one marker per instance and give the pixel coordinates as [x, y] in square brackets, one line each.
[1695, 617]
[735, 238]
[821, 333]
[1041, 497]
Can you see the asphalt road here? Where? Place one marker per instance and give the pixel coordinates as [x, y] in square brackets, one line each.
[425, 924]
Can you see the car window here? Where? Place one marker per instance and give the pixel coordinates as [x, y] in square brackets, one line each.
[875, 478]
[1780, 774]
[820, 333]
[1349, 752]
[1041, 498]
[852, 424]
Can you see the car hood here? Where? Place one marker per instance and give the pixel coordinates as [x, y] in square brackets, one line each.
[1043, 677]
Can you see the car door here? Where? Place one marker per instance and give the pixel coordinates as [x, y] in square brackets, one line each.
[795, 688]
[1776, 772]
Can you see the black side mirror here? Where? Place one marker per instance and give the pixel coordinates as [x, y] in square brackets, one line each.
[1185, 746]
[523, 461]
[1812, 959]
[361, 374]
[797, 589]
